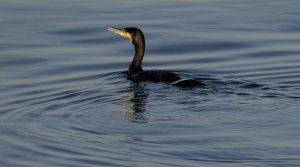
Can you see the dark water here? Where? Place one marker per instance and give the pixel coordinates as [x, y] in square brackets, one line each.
[65, 102]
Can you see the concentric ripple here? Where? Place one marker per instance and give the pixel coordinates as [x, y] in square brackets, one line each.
[65, 99]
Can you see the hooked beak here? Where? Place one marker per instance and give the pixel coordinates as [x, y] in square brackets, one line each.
[121, 32]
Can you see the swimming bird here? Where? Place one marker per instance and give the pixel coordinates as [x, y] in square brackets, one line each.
[135, 71]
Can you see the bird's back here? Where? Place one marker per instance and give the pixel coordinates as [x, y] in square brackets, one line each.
[154, 75]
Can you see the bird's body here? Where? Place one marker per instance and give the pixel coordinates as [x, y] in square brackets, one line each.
[153, 75]
[135, 71]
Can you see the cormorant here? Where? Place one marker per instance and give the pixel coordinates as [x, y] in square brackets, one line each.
[136, 73]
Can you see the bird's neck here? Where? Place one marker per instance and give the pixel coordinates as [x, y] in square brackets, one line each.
[136, 64]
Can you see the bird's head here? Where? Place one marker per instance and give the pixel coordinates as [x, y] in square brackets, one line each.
[131, 33]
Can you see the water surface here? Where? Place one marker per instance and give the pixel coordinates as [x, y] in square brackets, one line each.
[65, 100]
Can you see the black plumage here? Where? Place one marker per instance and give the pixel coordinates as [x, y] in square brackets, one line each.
[135, 71]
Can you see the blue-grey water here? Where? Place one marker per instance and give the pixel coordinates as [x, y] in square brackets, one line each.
[66, 102]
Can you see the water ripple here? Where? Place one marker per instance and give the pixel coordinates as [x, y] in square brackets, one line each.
[65, 99]
[192, 47]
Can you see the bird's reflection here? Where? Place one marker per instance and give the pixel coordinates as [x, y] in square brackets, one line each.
[139, 100]
[138, 103]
